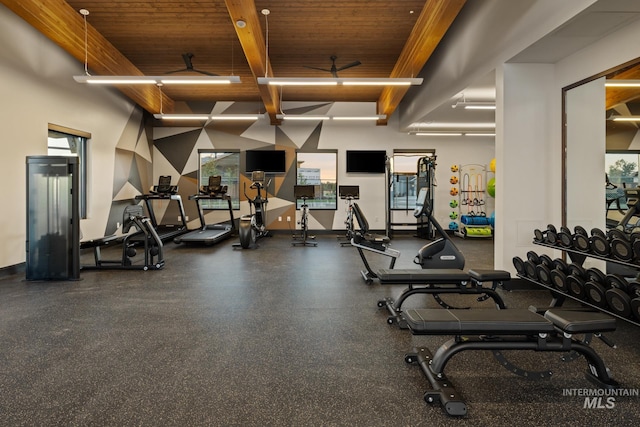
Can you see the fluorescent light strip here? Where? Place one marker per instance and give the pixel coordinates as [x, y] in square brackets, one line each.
[626, 119]
[129, 80]
[622, 83]
[479, 134]
[479, 107]
[455, 126]
[438, 134]
[218, 117]
[317, 117]
[332, 81]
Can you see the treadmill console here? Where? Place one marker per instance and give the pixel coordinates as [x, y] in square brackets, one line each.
[164, 187]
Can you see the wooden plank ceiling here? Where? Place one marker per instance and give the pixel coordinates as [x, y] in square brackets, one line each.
[389, 38]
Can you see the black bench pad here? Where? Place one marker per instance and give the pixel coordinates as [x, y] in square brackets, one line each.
[422, 277]
[575, 322]
[489, 275]
[477, 321]
[100, 241]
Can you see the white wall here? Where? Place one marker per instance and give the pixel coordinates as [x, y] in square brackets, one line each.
[37, 88]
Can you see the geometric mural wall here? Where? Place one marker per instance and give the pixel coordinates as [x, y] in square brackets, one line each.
[176, 154]
[133, 174]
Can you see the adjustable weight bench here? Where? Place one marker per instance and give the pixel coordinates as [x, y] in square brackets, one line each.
[514, 329]
[364, 240]
[439, 281]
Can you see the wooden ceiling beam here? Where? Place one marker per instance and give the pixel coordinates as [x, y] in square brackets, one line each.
[617, 96]
[254, 47]
[65, 26]
[432, 24]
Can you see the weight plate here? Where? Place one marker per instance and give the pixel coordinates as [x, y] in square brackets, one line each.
[580, 230]
[600, 245]
[597, 232]
[519, 265]
[621, 249]
[575, 287]
[633, 237]
[618, 302]
[596, 294]
[560, 264]
[544, 274]
[577, 270]
[596, 275]
[565, 239]
[634, 289]
[618, 281]
[552, 228]
[538, 236]
[614, 233]
[581, 242]
[559, 280]
[533, 257]
[636, 248]
[530, 268]
[546, 260]
[635, 308]
[552, 237]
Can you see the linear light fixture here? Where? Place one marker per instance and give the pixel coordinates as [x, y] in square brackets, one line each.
[235, 117]
[622, 83]
[626, 118]
[438, 133]
[475, 105]
[130, 80]
[323, 117]
[332, 81]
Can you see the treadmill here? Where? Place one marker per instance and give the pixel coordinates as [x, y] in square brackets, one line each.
[164, 191]
[209, 234]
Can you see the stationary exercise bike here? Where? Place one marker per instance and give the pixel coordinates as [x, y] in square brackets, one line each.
[349, 193]
[254, 225]
[304, 192]
[441, 252]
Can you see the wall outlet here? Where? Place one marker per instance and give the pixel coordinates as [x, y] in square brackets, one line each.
[288, 219]
[117, 225]
[279, 219]
[186, 218]
[179, 218]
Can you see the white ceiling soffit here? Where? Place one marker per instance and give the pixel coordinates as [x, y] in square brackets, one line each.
[581, 31]
[485, 34]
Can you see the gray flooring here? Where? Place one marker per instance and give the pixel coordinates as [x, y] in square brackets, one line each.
[274, 336]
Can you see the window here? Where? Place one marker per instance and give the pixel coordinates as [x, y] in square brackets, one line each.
[621, 171]
[404, 187]
[227, 165]
[68, 142]
[318, 169]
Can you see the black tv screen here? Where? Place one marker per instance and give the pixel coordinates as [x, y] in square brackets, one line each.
[271, 161]
[366, 161]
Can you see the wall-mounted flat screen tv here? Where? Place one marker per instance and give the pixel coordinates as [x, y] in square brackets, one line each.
[270, 161]
[366, 161]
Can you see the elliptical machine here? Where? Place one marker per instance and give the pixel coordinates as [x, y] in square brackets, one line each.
[253, 226]
[442, 252]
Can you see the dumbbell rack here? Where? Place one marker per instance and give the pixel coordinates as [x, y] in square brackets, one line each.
[579, 257]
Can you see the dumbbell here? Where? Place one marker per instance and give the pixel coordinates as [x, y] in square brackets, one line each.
[598, 243]
[579, 278]
[558, 276]
[595, 287]
[617, 295]
[565, 238]
[580, 239]
[622, 244]
[549, 236]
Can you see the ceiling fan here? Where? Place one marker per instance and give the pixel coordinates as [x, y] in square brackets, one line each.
[186, 57]
[334, 70]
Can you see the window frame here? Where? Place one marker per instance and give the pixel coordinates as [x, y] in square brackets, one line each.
[322, 205]
[82, 152]
[233, 187]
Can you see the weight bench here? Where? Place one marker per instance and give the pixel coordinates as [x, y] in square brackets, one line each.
[514, 329]
[363, 240]
[439, 281]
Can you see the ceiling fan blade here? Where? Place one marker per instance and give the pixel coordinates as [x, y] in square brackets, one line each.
[317, 68]
[206, 73]
[353, 64]
[178, 71]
